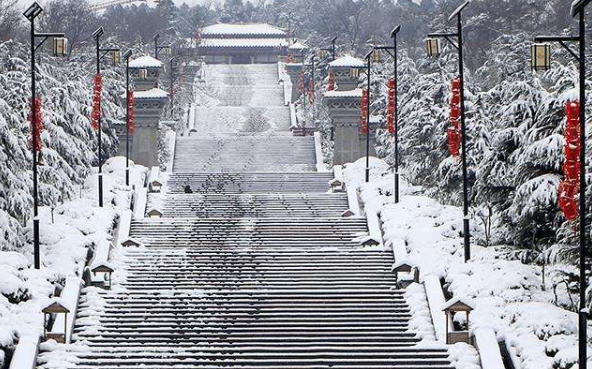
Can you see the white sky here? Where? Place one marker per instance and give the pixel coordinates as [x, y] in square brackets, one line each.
[26, 3]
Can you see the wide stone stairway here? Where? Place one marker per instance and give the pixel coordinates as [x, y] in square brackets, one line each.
[252, 269]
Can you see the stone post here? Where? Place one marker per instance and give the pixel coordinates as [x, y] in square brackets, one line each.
[293, 70]
[349, 142]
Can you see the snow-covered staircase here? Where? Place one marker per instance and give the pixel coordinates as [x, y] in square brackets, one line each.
[275, 153]
[255, 268]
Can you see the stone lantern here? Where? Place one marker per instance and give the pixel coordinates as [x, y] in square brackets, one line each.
[130, 242]
[297, 50]
[104, 271]
[154, 213]
[55, 308]
[453, 306]
[346, 71]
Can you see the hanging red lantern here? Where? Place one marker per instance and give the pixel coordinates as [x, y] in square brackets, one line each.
[36, 140]
[455, 100]
[454, 112]
[390, 117]
[131, 110]
[453, 136]
[331, 84]
[364, 112]
[456, 84]
[301, 82]
[569, 188]
[96, 99]
[390, 123]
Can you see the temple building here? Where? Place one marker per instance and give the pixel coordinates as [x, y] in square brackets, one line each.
[242, 44]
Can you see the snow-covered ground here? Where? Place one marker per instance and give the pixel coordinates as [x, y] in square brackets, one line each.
[510, 296]
[67, 233]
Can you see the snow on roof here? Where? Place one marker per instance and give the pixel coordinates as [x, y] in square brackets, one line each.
[223, 29]
[155, 93]
[145, 61]
[243, 42]
[337, 94]
[298, 46]
[347, 62]
[459, 300]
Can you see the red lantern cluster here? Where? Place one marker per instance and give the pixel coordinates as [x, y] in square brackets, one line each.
[131, 123]
[290, 59]
[390, 115]
[301, 82]
[311, 91]
[38, 125]
[96, 99]
[331, 84]
[453, 132]
[364, 113]
[570, 186]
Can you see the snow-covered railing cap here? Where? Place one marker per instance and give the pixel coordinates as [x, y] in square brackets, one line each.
[154, 213]
[347, 61]
[102, 267]
[153, 93]
[336, 94]
[130, 242]
[249, 29]
[459, 304]
[55, 307]
[144, 62]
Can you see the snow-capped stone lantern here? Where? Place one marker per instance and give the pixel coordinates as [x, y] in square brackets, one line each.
[453, 306]
[346, 71]
[155, 186]
[55, 308]
[145, 72]
[154, 213]
[105, 271]
[60, 46]
[432, 47]
[130, 242]
[540, 57]
[297, 51]
[411, 273]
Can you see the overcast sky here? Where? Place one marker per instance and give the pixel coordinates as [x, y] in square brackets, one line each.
[25, 3]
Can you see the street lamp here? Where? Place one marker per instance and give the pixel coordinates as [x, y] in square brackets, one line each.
[165, 48]
[394, 55]
[542, 61]
[97, 37]
[368, 58]
[60, 46]
[172, 75]
[126, 56]
[332, 49]
[433, 47]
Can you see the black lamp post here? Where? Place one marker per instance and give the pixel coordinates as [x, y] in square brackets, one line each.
[368, 72]
[394, 55]
[577, 9]
[459, 46]
[97, 36]
[126, 57]
[31, 13]
[157, 47]
[172, 76]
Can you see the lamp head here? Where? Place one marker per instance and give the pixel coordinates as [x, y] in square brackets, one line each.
[578, 6]
[98, 33]
[127, 54]
[459, 9]
[33, 11]
[396, 30]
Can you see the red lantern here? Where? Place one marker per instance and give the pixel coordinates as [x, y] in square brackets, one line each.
[364, 112]
[301, 82]
[569, 207]
[131, 124]
[571, 170]
[572, 110]
[572, 152]
[453, 136]
[36, 141]
[455, 100]
[390, 123]
[97, 91]
[331, 85]
[454, 112]
[456, 84]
